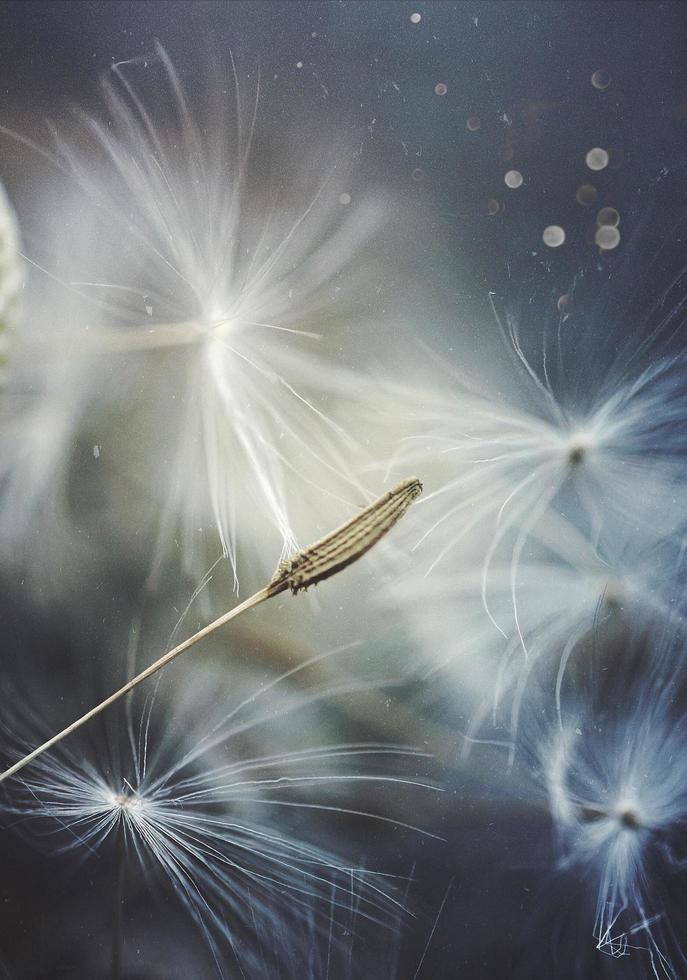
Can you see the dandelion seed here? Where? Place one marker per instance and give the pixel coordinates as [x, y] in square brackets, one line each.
[586, 195]
[10, 273]
[212, 290]
[327, 556]
[348, 543]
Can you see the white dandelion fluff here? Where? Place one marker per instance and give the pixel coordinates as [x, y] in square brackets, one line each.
[589, 426]
[208, 267]
[217, 805]
[612, 771]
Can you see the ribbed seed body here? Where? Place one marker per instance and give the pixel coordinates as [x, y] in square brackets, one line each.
[347, 543]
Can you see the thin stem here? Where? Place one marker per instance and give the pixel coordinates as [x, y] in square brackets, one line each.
[135, 681]
[326, 557]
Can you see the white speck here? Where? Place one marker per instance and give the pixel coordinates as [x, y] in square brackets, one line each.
[441, 88]
[553, 236]
[597, 159]
[344, 198]
[415, 18]
[299, 64]
[607, 237]
[96, 452]
[513, 179]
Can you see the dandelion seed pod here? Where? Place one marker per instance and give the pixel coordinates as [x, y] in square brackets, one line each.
[346, 544]
[10, 273]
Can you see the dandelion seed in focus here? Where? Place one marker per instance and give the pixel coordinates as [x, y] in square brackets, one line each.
[597, 158]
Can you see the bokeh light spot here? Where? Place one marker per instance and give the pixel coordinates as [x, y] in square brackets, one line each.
[597, 158]
[553, 236]
[607, 237]
[601, 79]
[608, 216]
[513, 179]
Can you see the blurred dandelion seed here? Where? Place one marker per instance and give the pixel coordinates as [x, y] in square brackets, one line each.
[608, 216]
[616, 793]
[601, 79]
[210, 282]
